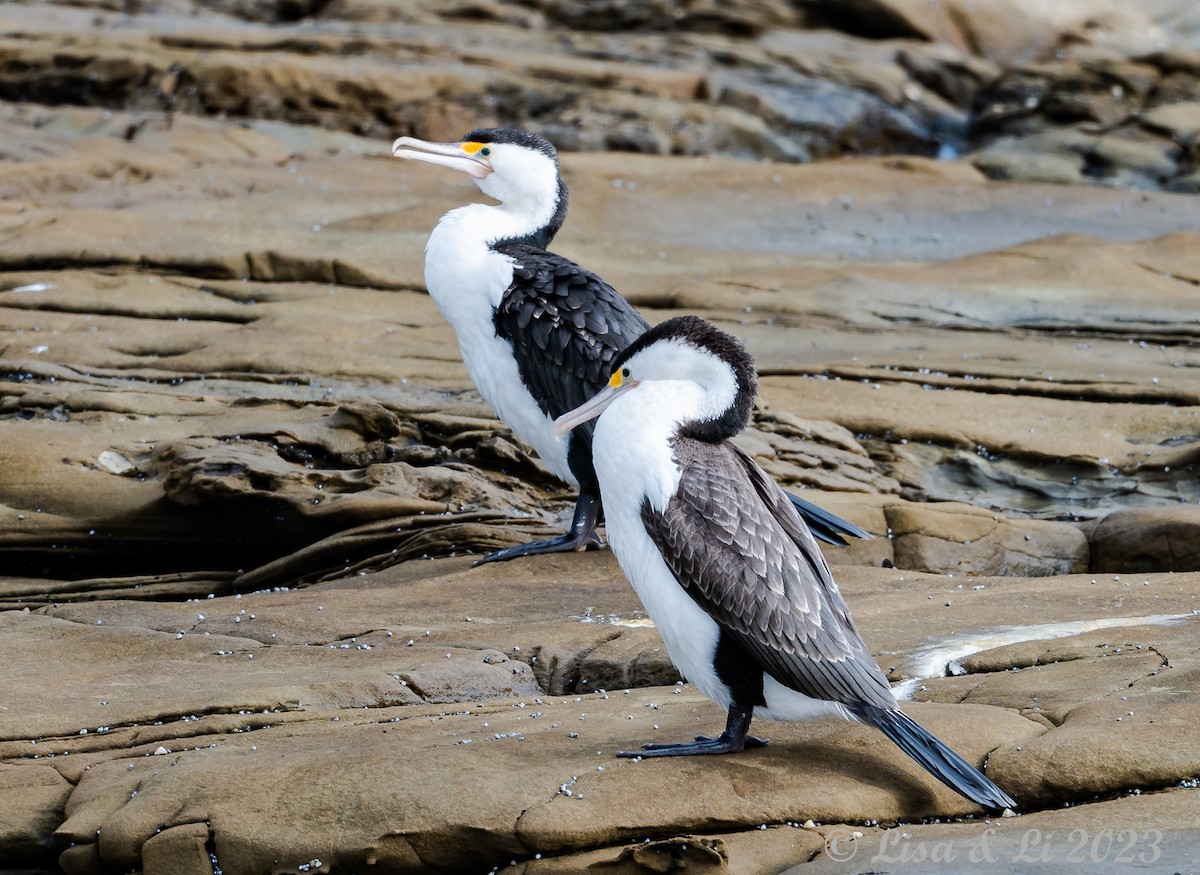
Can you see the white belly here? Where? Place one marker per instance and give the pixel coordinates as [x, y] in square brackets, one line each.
[689, 633]
[493, 369]
[784, 703]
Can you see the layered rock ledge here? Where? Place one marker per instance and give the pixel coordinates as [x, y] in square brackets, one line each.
[437, 717]
[242, 470]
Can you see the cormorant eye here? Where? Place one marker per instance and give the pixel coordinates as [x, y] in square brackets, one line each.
[625, 373]
[485, 151]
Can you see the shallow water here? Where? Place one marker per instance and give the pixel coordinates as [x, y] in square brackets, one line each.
[943, 657]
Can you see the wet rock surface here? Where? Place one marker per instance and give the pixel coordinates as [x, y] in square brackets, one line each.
[343, 689]
[241, 462]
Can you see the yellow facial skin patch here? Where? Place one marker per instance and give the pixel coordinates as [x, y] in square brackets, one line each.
[472, 148]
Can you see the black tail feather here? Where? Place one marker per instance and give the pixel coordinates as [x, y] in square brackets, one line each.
[825, 526]
[938, 759]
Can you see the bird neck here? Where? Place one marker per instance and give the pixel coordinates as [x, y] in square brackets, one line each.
[716, 426]
[633, 445]
[531, 215]
[492, 225]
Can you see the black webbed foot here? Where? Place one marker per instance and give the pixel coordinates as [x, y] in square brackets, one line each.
[567, 543]
[750, 740]
[581, 536]
[733, 739]
[703, 744]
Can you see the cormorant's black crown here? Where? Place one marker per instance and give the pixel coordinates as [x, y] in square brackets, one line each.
[705, 336]
[528, 139]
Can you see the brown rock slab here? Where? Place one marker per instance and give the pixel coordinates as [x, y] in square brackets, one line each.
[1006, 611]
[1154, 832]
[756, 79]
[219, 738]
[966, 540]
[480, 796]
[1147, 540]
[1100, 692]
[246, 381]
[767, 849]
[1181, 120]
[32, 798]
[1106, 753]
[1030, 159]
[222, 378]
[182, 849]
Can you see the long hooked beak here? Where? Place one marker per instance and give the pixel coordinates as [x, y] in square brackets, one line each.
[589, 410]
[450, 155]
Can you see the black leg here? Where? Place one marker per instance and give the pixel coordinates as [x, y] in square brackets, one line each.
[733, 739]
[581, 536]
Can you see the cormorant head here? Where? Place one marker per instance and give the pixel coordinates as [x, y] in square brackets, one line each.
[517, 168]
[685, 348]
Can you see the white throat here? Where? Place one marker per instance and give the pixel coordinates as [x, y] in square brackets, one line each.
[632, 443]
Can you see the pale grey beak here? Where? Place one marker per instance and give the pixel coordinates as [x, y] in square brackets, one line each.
[443, 154]
[589, 410]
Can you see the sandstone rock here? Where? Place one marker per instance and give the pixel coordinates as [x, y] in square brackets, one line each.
[740, 17]
[789, 96]
[952, 74]
[961, 539]
[327, 683]
[770, 849]
[31, 807]
[635, 658]
[182, 849]
[1100, 703]
[1180, 120]
[1157, 827]
[1133, 157]
[320, 686]
[1025, 161]
[350, 83]
[1188, 183]
[1006, 31]
[1147, 540]
[274, 361]
[822, 119]
[274, 11]
[1113, 120]
[867, 512]
[492, 799]
[1111, 748]
[1065, 676]
[1067, 92]
[743, 79]
[232, 422]
[809, 453]
[1018, 610]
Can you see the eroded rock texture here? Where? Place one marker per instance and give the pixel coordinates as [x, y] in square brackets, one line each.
[232, 427]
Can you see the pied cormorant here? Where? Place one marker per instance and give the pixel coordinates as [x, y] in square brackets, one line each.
[538, 333]
[721, 561]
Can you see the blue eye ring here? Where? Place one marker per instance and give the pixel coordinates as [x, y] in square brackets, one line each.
[485, 151]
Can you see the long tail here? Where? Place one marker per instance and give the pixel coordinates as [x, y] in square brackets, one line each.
[824, 525]
[939, 760]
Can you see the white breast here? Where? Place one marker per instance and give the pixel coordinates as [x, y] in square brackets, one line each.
[466, 280]
[634, 463]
